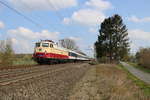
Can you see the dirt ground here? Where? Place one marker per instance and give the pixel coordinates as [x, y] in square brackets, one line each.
[106, 82]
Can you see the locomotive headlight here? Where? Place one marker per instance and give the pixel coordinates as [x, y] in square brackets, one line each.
[40, 49]
[45, 52]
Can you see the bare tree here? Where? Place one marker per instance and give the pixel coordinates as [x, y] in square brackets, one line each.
[68, 43]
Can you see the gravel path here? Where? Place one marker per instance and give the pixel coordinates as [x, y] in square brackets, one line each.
[138, 73]
[54, 86]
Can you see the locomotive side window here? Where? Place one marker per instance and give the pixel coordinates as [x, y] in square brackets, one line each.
[45, 44]
[37, 44]
[72, 54]
[51, 45]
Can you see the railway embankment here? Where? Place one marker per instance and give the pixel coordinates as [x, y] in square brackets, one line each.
[54, 85]
[107, 82]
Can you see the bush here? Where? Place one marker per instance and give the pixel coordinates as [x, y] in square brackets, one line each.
[24, 59]
[143, 57]
[6, 53]
[103, 59]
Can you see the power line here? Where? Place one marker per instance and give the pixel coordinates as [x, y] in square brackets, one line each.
[29, 8]
[59, 15]
[19, 13]
[51, 4]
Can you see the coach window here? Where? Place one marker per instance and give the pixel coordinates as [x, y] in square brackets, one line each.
[45, 44]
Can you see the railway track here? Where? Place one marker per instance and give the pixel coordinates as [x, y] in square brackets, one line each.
[15, 75]
[52, 82]
[20, 70]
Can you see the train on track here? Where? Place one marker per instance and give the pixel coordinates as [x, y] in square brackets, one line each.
[47, 51]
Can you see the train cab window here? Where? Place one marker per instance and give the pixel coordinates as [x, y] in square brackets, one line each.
[51, 45]
[37, 44]
[45, 44]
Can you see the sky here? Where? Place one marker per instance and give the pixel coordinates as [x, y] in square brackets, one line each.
[75, 19]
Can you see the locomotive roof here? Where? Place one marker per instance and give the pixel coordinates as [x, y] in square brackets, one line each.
[47, 41]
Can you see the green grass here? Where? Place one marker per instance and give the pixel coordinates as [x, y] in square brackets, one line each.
[24, 60]
[144, 86]
[139, 67]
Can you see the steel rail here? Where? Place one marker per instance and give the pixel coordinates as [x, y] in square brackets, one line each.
[27, 76]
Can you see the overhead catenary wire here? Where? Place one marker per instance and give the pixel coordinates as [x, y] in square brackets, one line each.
[19, 13]
[51, 5]
[59, 15]
[35, 15]
[29, 8]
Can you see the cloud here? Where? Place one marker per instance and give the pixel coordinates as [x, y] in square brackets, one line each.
[76, 39]
[139, 20]
[92, 15]
[99, 4]
[66, 20]
[86, 17]
[139, 38]
[31, 5]
[1, 25]
[134, 47]
[139, 35]
[23, 39]
[29, 34]
[22, 45]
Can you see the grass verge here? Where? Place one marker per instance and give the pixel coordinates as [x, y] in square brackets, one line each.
[24, 62]
[24, 59]
[107, 82]
[144, 86]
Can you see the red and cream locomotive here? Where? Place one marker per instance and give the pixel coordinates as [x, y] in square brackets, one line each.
[46, 51]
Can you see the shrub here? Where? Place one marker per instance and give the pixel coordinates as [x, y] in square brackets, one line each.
[143, 57]
[6, 52]
[103, 59]
[24, 59]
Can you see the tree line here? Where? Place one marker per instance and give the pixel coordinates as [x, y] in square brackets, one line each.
[142, 57]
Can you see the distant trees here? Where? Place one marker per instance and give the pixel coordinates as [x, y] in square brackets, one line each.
[68, 43]
[113, 42]
[6, 52]
[143, 57]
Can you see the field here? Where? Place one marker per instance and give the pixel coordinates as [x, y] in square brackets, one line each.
[107, 82]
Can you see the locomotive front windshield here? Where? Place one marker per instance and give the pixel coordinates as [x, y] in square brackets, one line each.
[37, 45]
[45, 44]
